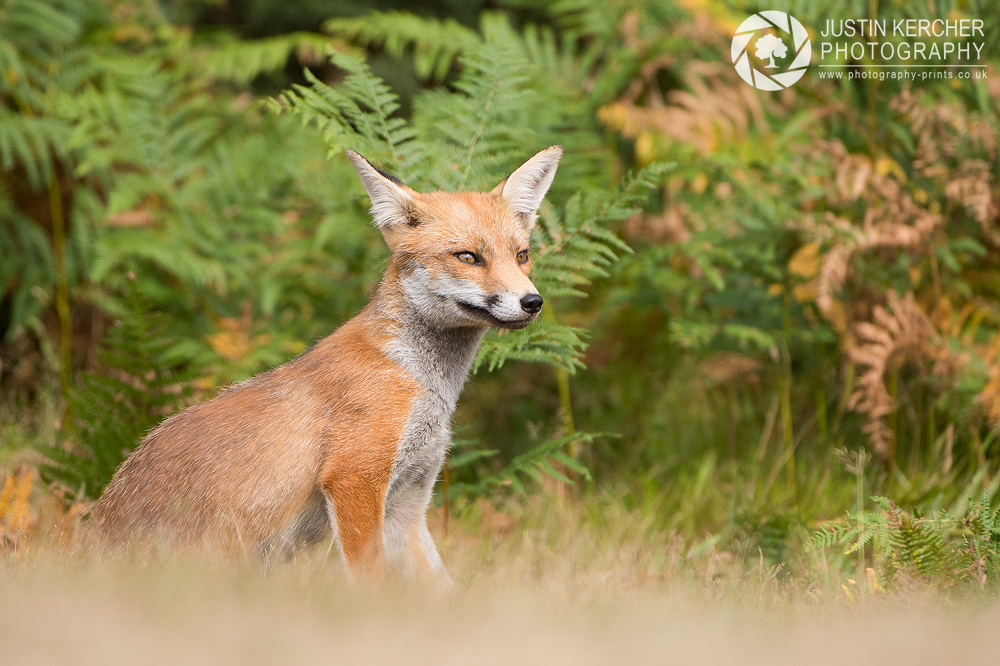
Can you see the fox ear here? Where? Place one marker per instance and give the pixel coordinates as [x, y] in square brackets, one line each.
[525, 188]
[393, 202]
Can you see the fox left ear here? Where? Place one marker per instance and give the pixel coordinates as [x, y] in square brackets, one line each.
[393, 203]
[525, 188]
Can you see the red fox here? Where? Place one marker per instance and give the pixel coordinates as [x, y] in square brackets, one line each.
[351, 435]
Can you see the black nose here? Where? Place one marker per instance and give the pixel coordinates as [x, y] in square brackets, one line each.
[531, 303]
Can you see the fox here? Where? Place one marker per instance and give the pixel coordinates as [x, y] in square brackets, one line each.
[348, 439]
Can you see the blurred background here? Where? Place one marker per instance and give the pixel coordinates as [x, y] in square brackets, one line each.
[793, 306]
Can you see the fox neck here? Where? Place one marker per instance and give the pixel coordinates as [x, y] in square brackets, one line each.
[438, 358]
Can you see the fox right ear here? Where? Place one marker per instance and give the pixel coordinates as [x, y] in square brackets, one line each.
[526, 187]
[393, 202]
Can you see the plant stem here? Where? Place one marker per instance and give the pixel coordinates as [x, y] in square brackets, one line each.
[445, 484]
[565, 396]
[565, 413]
[786, 428]
[822, 429]
[786, 390]
[62, 286]
[892, 387]
[860, 485]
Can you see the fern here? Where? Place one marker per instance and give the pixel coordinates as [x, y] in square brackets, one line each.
[357, 113]
[480, 128]
[32, 143]
[943, 549]
[543, 342]
[540, 461]
[575, 247]
[855, 532]
[113, 410]
[435, 43]
[242, 60]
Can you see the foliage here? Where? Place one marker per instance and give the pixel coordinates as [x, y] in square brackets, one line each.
[435, 44]
[945, 549]
[112, 411]
[546, 459]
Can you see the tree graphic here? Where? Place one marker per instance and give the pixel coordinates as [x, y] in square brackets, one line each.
[769, 46]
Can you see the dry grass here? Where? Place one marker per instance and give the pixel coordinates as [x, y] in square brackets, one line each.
[302, 614]
[544, 581]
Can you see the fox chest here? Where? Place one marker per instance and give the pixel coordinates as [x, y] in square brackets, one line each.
[423, 445]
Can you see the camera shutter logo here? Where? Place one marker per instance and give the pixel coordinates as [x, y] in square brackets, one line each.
[768, 46]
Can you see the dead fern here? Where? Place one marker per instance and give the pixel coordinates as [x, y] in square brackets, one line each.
[902, 332]
[714, 108]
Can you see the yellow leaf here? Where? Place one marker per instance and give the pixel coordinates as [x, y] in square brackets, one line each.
[699, 183]
[645, 148]
[806, 292]
[612, 115]
[886, 165]
[805, 262]
[836, 315]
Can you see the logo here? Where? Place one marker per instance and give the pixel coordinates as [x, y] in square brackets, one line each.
[772, 37]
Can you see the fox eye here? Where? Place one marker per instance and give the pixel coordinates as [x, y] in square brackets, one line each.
[467, 257]
[522, 256]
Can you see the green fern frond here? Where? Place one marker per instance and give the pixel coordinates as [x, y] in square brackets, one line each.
[574, 248]
[435, 43]
[357, 114]
[542, 342]
[242, 60]
[941, 549]
[479, 130]
[32, 142]
[112, 412]
[831, 534]
[540, 461]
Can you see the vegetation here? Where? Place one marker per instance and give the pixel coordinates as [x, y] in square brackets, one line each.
[761, 308]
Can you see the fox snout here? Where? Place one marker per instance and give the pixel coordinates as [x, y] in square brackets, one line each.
[505, 309]
[509, 311]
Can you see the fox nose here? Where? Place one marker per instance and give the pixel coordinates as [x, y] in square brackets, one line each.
[531, 303]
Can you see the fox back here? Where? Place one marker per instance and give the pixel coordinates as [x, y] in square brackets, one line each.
[351, 435]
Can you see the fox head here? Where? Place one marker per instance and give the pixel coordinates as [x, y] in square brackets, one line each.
[463, 258]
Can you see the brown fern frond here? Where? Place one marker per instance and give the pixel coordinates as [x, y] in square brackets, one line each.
[901, 332]
[989, 397]
[972, 189]
[944, 133]
[892, 220]
[716, 107]
[725, 367]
